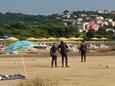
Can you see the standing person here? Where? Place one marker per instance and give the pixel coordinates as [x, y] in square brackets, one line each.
[63, 51]
[83, 50]
[53, 54]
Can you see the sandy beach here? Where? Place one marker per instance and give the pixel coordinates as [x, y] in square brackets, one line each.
[92, 73]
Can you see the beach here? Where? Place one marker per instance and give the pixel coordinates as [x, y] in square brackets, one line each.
[94, 72]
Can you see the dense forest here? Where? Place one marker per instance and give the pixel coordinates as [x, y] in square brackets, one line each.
[23, 26]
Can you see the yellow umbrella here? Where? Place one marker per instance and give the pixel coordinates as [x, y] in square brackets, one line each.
[42, 39]
[12, 39]
[62, 39]
[32, 39]
[1, 39]
[72, 38]
[94, 39]
[52, 38]
[103, 38]
[80, 39]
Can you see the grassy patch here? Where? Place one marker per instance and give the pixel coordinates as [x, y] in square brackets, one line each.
[106, 49]
[38, 82]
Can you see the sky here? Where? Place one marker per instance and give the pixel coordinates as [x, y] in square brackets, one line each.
[47, 7]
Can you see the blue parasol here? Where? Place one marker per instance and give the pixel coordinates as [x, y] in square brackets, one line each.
[18, 45]
[4, 35]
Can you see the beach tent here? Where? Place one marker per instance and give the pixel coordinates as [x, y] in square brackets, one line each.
[19, 45]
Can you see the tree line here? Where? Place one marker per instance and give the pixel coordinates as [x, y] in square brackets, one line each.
[23, 26]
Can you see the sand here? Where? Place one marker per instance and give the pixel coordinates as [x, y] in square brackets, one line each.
[92, 73]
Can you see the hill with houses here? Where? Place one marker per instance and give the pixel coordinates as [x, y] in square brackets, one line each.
[87, 24]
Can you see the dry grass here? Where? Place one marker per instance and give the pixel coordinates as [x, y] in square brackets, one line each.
[38, 82]
[106, 49]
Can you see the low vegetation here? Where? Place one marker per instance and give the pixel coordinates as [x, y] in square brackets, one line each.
[105, 49]
[38, 82]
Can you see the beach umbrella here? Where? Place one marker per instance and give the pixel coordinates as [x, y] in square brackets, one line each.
[42, 39]
[32, 39]
[19, 45]
[94, 39]
[80, 39]
[103, 38]
[12, 39]
[5, 36]
[72, 39]
[52, 38]
[1, 40]
[62, 39]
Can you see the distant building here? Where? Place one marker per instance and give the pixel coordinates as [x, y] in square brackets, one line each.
[113, 12]
[90, 25]
[99, 21]
[110, 20]
[107, 30]
[106, 11]
[105, 23]
[69, 21]
[103, 11]
[65, 14]
[83, 15]
[113, 23]
[80, 19]
[100, 18]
